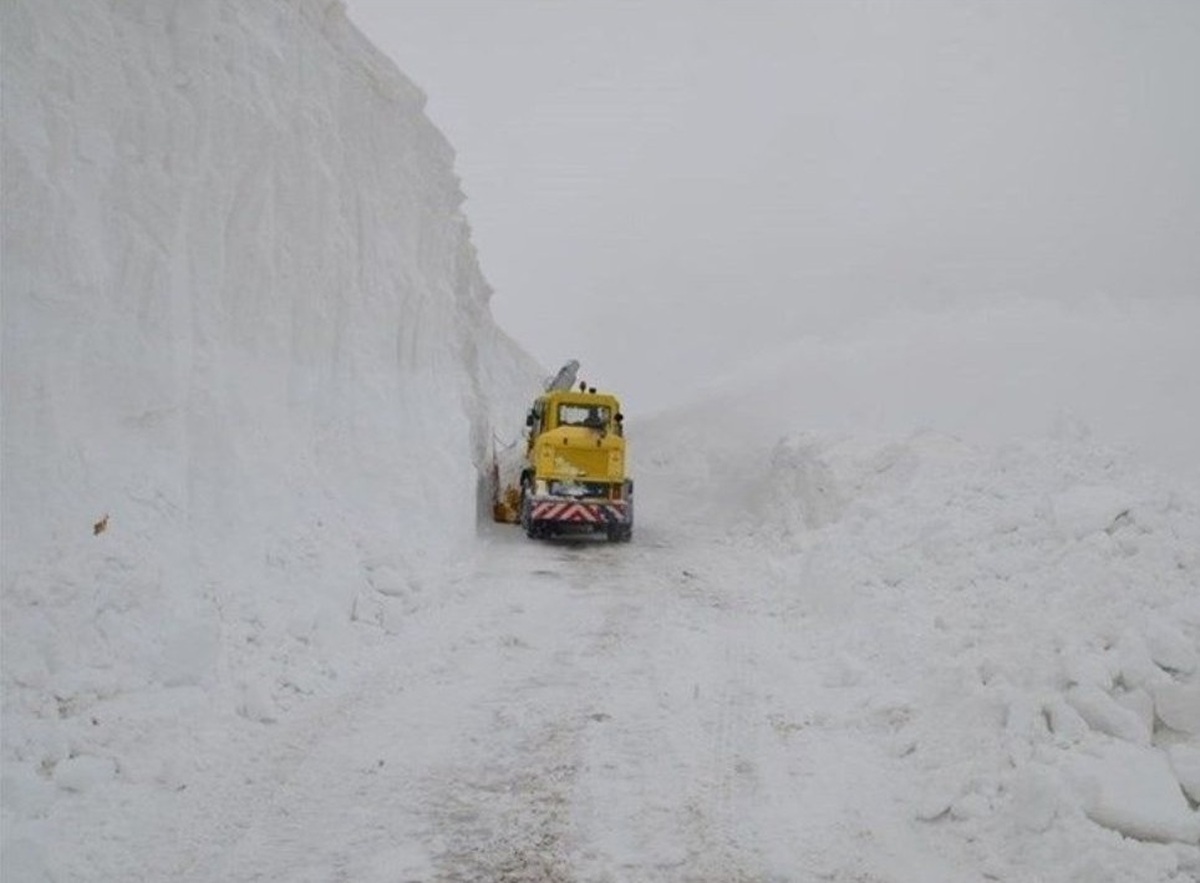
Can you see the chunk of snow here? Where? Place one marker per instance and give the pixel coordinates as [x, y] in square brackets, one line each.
[1136, 668]
[1132, 789]
[1178, 706]
[1170, 648]
[1065, 722]
[1106, 715]
[1140, 703]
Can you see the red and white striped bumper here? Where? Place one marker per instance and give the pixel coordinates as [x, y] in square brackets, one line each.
[599, 514]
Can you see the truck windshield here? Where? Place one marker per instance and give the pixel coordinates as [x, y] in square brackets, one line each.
[583, 415]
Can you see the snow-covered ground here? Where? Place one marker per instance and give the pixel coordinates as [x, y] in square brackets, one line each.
[917, 604]
[905, 660]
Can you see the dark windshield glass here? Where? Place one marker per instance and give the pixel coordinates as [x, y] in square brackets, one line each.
[583, 415]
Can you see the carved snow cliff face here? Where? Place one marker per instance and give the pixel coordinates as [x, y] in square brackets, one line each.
[249, 364]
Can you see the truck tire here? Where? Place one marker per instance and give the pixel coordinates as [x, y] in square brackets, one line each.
[620, 533]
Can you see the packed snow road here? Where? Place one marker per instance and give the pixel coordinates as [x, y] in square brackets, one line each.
[569, 711]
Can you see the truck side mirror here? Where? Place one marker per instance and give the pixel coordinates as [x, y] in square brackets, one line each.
[529, 419]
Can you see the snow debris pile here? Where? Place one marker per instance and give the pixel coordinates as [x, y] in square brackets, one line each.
[249, 368]
[1029, 611]
[1075, 578]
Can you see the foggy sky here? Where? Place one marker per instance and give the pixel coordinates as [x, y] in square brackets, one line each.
[663, 188]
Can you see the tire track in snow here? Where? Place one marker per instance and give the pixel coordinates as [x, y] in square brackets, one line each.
[722, 803]
[671, 784]
[510, 822]
[504, 810]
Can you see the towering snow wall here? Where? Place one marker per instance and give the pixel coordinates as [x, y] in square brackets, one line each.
[248, 365]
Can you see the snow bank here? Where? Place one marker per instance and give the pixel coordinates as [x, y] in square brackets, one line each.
[250, 378]
[1024, 605]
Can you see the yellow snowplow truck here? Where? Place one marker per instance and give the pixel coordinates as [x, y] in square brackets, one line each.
[573, 479]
